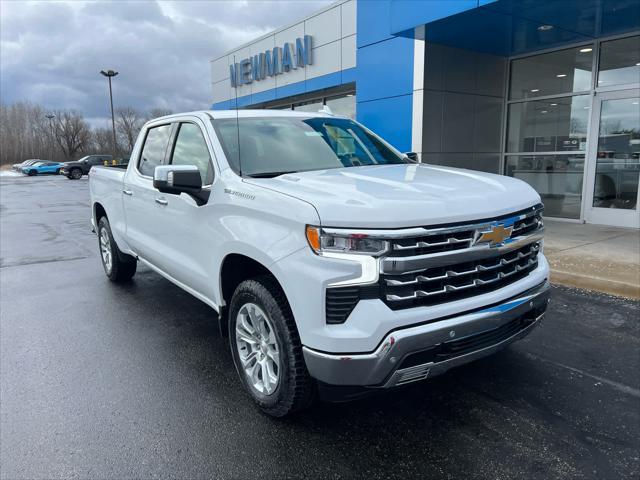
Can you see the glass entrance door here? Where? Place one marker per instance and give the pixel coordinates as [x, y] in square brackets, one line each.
[614, 160]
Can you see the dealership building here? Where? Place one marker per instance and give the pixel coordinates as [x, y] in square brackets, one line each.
[544, 91]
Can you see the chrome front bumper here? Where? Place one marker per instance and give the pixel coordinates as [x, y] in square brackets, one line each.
[415, 353]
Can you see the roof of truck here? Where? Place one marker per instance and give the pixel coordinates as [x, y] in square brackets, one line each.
[246, 113]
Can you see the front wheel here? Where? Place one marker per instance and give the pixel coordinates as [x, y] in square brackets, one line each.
[32, 173]
[266, 348]
[119, 267]
[75, 174]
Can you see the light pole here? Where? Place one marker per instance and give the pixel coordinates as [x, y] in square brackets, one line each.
[51, 116]
[109, 74]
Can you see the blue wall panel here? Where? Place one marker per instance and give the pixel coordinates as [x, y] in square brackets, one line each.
[385, 69]
[390, 118]
[324, 81]
[373, 21]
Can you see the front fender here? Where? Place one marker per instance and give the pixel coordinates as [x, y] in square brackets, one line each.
[264, 226]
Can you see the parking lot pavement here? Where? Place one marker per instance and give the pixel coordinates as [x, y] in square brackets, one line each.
[105, 381]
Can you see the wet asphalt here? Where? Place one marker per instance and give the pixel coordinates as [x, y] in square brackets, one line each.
[104, 381]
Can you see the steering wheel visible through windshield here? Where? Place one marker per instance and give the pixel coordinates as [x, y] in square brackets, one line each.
[272, 146]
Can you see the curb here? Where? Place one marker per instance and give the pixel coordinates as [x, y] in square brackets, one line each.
[605, 285]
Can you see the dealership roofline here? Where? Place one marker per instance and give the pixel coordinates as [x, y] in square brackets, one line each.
[273, 32]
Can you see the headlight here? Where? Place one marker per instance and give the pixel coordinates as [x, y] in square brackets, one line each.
[321, 242]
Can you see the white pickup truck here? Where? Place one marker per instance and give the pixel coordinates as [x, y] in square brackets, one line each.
[335, 264]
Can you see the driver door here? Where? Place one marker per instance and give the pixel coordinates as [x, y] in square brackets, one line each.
[184, 228]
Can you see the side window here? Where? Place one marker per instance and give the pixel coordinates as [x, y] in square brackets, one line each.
[191, 149]
[154, 149]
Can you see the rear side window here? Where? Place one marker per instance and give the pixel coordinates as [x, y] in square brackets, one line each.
[191, 149]
[155, 146]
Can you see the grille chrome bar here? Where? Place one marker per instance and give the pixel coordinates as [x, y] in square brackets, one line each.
[423, 244]
[453, 288]
[416, 263]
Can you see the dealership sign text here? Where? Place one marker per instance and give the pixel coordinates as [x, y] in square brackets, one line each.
[272, 62]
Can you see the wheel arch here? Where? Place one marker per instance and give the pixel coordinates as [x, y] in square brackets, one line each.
[99, 212]
[234, 269]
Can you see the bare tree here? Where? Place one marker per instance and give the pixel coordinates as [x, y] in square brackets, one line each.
[72, 133]
[128, 124]
[102, 140]
[158, 112]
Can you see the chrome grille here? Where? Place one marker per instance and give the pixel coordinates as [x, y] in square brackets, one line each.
[448, 263]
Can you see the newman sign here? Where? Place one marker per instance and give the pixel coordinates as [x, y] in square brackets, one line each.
[272, 62]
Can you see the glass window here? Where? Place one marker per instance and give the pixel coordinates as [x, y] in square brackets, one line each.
[618, 162]
[553, 125]
[191, 149]
[154, 149]
[552, 73]
[273, 146]
[619, 62]
[557, 178]
[344, 106]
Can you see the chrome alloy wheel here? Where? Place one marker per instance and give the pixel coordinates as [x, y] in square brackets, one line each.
[257, 348]
[105, 249]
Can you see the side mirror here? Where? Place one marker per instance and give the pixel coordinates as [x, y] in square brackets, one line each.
[413, 156]
[177, 179]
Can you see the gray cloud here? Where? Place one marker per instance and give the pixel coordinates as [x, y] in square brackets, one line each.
[51, 52]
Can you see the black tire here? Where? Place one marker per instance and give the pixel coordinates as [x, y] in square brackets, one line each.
[295, 389]
[122, 266]
[58, 172]
[32, 173]
[75, 174]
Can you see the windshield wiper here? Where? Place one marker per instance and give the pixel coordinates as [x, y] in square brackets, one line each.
[269, 174]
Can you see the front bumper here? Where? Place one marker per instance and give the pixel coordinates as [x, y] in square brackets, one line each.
[415, 353]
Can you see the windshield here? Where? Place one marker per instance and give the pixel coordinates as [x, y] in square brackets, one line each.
[271, 146]
[83, 158]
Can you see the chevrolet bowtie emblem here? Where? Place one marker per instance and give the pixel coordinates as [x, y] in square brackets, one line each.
[495, 236]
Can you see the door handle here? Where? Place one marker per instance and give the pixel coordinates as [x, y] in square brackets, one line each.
[162, 201]
[127, 192]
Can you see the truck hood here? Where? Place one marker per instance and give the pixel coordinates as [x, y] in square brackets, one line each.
[394, 196]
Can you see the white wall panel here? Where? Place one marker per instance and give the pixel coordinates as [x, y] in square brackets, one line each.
[325, 27]
[290, 34]
[219, 69]
[222, 91]
[349, 52]
[326, 59]
[348, 18]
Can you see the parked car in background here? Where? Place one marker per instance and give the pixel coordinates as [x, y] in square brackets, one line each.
[75, 170]
[42, 167]
[18, 166]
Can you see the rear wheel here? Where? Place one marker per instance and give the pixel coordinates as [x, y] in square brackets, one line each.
[266, 348]
[118, 266]
[75, 174]
[58, 172]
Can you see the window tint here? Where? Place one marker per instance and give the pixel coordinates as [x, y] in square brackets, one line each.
[191, 149]
[154, 148]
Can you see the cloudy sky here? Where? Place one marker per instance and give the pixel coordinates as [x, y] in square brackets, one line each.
[52, 52]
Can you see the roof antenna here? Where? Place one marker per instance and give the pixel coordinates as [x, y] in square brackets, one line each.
[237, 115]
